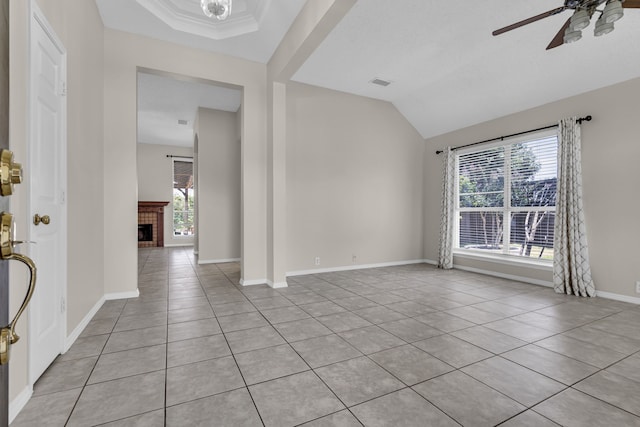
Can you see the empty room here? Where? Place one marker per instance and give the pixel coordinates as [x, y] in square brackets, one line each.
[348, 213]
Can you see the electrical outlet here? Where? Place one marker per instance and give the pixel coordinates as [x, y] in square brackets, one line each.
[317, 260]
[354, 259]
[638, 287]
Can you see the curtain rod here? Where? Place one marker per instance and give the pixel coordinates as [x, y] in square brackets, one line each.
[181, 157]
[501, 138]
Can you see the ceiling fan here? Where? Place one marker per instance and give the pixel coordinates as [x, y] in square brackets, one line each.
[584, 9]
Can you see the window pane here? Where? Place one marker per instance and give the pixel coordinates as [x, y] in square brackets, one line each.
[528, 203]
[481, 178]
[532, 234]
[534, 173]
[183, 198]
[481, 230]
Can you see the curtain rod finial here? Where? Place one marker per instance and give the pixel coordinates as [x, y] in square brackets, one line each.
[439, 152]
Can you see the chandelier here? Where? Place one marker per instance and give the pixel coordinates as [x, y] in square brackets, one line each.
[221, 9]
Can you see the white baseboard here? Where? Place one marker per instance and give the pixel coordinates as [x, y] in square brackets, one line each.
[618, 297]
[217, 261]
[18, 404]
[430, 261]
[73, 336]
[177, 245]
[122, 295]
[253, 282]
[505, 276]
[353, 267]
[277, 285]
[601, 294]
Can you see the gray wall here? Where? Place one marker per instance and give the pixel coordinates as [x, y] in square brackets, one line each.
[354, 181]
[218, 188]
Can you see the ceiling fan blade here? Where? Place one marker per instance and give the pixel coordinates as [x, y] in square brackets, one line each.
[631, 4]
[532, 19]
[558, 40]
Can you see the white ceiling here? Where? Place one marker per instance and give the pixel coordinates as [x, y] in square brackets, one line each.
[253, 31]
[448, 71]
[162, 101]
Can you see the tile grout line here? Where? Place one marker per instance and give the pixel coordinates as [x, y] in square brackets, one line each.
[396, 274]
[246, 387]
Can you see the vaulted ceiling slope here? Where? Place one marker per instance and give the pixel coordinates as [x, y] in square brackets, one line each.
[447, 70]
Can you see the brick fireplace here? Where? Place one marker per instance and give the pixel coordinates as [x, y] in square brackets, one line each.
[151, 224]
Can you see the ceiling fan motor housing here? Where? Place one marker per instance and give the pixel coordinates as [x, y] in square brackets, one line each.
[583, 4]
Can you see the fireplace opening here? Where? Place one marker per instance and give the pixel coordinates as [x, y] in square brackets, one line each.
[145, 232]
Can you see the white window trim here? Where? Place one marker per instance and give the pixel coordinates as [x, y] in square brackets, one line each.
[173, 212]
[503, 258]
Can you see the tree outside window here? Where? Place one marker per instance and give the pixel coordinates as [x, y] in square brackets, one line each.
[506, 198]
[183, 198]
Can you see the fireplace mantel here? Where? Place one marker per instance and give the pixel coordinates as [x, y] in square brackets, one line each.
[147, 208]
[151, 206]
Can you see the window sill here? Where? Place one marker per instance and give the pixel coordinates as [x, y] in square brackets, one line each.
[545, 265]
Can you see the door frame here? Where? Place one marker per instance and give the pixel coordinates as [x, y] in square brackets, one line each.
[4, 202]
[37, 18]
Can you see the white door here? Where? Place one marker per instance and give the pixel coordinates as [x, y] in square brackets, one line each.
[47, 142]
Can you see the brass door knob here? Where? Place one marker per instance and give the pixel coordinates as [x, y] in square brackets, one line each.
[37, 219]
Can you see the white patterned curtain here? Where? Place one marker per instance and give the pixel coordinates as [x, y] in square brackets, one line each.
[571, 270]
[445, 255]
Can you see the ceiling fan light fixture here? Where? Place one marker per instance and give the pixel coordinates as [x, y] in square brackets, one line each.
[613, 11]
[580, 20]
[602, 27]
[571, 36]
[220, 9]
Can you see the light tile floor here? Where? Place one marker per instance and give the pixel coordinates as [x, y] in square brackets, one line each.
[397, 346]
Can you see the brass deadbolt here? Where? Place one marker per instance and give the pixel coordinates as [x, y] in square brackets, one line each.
[10, 173]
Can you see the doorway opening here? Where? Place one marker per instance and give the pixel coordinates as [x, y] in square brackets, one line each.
[189, 154]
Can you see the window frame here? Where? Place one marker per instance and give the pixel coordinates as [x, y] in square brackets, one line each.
[507, 210]
[175, 159]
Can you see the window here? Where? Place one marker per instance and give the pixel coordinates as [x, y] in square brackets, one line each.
[183, 197]
[506, 197]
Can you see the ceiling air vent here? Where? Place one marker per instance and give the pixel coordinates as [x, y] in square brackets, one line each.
[380, 82]
[183, 122]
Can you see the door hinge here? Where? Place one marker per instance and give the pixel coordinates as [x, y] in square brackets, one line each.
[63, 88]
[63, 305]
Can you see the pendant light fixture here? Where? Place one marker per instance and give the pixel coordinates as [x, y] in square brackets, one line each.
[602, 27]
[220, 9]
[580, 20]
[613, 11]
[603, 12]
